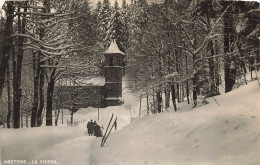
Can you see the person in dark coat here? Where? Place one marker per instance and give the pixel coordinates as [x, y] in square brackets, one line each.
[90, 127]
[97, 130]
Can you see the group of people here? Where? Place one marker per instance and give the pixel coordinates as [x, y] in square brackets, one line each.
[94, 129]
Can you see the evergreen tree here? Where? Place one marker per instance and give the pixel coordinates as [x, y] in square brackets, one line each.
[103, 20]
[117, 29]
[248, 31]
[98, 7]
[124, 5]
[125, 21]
[116, 8]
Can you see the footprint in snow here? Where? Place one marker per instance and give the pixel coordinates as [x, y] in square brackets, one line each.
[239, 125]
[254, 140]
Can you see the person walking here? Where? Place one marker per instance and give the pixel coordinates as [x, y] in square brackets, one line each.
[90, 127]
[97, 130]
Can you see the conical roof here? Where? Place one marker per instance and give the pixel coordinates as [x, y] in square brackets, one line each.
[113, 49]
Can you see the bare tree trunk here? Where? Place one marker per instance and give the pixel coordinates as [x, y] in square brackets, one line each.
[21, 120]
[27, 122]
[61, 116]
[36, 75]
[58, 105]
[167, 98]
[212, 84]
[57, 117]
[217, 68]
[173, 97]
[159, 101]
[187, 82]
[187, 91]
[71, 117]
[17, 70]
[46, 4]
[170, 57]
[7, 43]
[153, 102]
[229, 33]
[176, 53]
[194, 97]
[50, 90]
[36, 68]
[41, 95]
[8, 120]
[41, 82]
[178, 92]
[183, 92]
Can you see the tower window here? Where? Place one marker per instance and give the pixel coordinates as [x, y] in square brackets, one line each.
[111, 62]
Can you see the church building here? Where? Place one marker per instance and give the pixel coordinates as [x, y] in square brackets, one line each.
[92, 95]
[113, 74]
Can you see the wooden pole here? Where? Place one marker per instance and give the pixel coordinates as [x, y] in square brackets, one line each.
[256, 73]
[140, 105]
[98, 107]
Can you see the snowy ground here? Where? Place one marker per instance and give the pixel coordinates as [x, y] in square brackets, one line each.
[65, 145]
[226, 132]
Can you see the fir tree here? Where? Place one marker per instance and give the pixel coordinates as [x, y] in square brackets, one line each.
[116, 8]
[104, 18]
[124, 5]
[98, 7]
[117, 29]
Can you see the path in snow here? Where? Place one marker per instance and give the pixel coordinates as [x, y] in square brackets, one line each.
[74, 151]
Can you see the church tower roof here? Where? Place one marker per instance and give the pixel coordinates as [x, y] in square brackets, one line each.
[113, 49]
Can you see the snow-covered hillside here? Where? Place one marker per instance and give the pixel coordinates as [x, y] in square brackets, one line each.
[226, 134]
[226, 131]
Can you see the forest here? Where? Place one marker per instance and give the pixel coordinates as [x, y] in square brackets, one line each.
[176, 51]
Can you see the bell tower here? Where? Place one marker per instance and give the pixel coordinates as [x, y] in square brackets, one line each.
[113, 69]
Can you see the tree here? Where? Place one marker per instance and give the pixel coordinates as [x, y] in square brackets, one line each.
[229, 39]
[50, 46]
[125, 20]
[247, 31]
[6, 42]
[17, 58]
[207, 12]
[103, 20]
[116, 29]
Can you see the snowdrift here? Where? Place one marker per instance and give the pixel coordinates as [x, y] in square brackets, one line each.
[226, 132]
